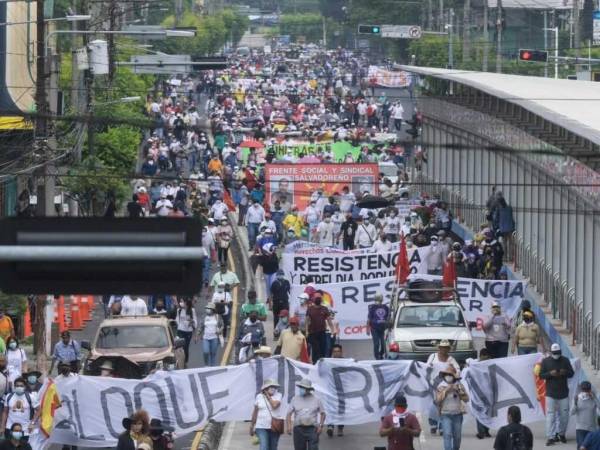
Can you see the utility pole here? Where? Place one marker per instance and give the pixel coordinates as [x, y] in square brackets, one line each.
[576, 29]
[499, 37]
[486, 36]
[429, 15]
[178, 11]
[41, 122]
[546, 41]
[450, 26]
[441, 16]
[466, 50]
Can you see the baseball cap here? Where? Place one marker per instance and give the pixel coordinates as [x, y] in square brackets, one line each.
[495, 305]
[555, 348]
[283, 313]
[294, 321]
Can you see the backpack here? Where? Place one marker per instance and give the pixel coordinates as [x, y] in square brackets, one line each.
[28, 397]
[516, 440]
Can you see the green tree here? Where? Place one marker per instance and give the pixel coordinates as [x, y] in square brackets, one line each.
[91, 183]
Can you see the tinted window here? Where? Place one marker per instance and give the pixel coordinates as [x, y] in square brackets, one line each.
[430, 316]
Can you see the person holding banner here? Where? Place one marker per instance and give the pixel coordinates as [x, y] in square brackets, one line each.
[266, 422]
[497, 332]
[438, 362]
[451, 398]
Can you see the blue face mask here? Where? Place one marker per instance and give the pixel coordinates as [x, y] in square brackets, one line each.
[32, 379]
[302, 391]
[17, 435]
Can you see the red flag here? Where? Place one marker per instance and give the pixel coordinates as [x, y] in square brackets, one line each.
[402, 266]
[449, 277]
[304, 353]
[228, 201]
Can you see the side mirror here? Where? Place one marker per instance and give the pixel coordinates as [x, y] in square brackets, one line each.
[179, 342]
[86, 345]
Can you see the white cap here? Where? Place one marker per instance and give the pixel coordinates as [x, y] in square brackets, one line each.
[555, 347]
[303, 297]
[495, 304]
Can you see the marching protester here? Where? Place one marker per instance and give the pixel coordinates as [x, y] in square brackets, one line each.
[20, 407]
[337, 352]
[308, 417]
[187, 323]
[451, 398]
[136, 434]
[527, 336]
[16, 439]
[400, 426]
[514, 435]
[291, 342]
[160, 439]
[556, 370]
[210, 333]
[377, 322]
[66, 350]
[497, 332]
[318, 319]
[280, 296]
[586, 409]
[439, 361]
[267, 419]
[16, 359]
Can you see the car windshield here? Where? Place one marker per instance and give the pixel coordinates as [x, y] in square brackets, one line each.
[430, 316]
[132, 337]
[388, 170]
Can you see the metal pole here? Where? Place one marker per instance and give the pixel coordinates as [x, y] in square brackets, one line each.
[41, 125]
[546, 41]
[441, 16]
[466, 31]
[450, 36]
[89, 253]
[486, 36]
[499, 37]
[556, 53]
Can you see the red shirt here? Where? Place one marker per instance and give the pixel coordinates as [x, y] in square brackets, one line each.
[396, 439]
[318, 315]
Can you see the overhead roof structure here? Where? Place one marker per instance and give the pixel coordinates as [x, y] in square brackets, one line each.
[570, 104]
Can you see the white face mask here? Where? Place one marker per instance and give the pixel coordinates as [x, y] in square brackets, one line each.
[555, 356]
[583, 396]
[434, 243]
[449, 379]
[181, 304]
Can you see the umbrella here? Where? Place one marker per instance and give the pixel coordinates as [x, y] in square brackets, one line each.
[251, 144]
[373, 202]
[122, 367]
[310, 159]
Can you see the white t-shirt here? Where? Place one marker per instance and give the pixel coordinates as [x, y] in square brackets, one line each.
[131, 307]
[163, 207]
[438, 365]
[222, 297]
[19, 410]
[392, 225]
[210, 326]
[14, 362]
[263, 418]
[325, 231]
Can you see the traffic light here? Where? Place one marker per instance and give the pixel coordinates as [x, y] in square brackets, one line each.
[533, 55]
[369, 29]
[66, 255]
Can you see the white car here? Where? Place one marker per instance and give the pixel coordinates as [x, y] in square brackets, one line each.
[419, 327]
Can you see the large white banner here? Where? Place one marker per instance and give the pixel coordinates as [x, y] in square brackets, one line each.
[351, 301]
[478, 295]
[352, 393]
[324, 267]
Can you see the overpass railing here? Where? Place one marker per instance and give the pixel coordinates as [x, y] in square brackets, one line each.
[551, 206]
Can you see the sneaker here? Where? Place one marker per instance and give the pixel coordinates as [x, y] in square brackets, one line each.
[330, 431]
[562, 438]
[433, 430]
[340, 432]
[549, 442]
[487, 434]
[480, 435]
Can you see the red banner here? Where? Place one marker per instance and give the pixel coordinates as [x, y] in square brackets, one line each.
[296, 183]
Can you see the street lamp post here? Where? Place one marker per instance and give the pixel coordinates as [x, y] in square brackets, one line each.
[555, 30]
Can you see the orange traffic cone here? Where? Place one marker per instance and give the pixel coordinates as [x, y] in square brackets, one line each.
[60, 312]
[84, 307]
[76, 322]
[91, 303]
[27, 323]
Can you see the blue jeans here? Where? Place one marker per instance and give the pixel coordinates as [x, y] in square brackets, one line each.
[206, 269]
[378, 342]
[526, 350]
[557, 416]
[209, 348]
[452, 429]
[580, 436]
[267, 440]
[252, 233]
[269, 278]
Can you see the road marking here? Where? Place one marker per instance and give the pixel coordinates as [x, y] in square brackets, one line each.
[227, 351]
[422, 438]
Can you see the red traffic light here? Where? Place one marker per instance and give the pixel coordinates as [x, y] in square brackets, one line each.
[533, 55]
